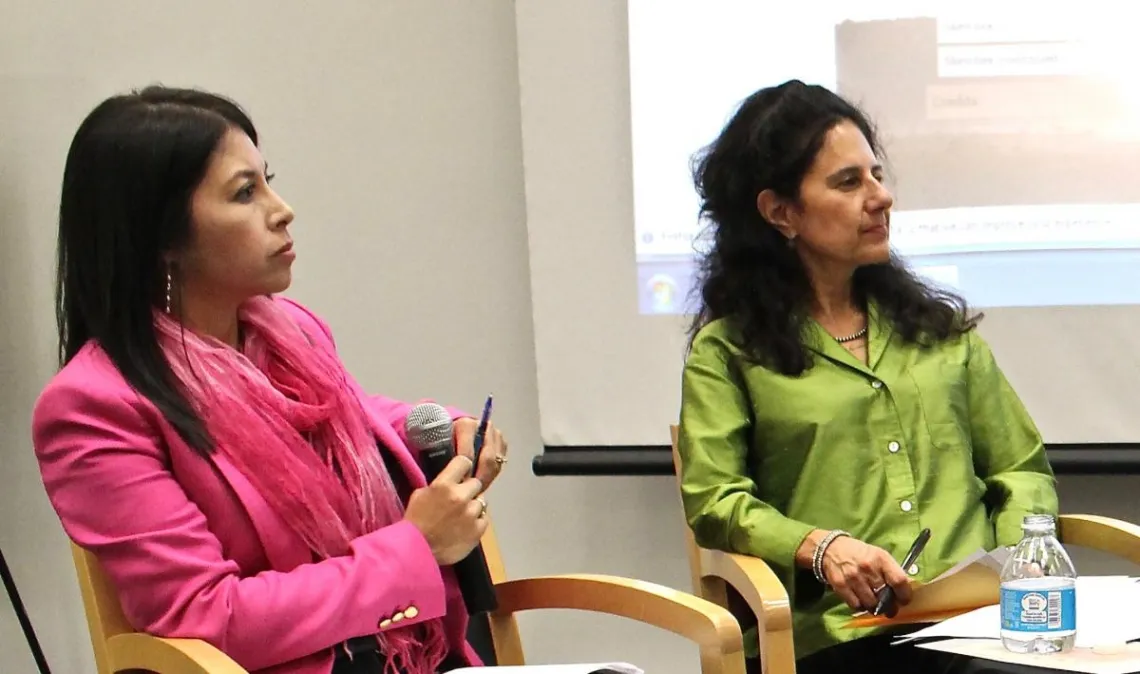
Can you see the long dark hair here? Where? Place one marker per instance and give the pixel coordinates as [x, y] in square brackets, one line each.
[749, 275]
[130, 173]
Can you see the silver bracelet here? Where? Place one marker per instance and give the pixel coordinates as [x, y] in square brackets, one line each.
[820, 550]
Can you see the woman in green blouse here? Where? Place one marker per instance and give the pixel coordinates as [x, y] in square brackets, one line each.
[834, 405]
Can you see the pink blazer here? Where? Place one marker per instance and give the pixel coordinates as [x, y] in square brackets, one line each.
[196, 552]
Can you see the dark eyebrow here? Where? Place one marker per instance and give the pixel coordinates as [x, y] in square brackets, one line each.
[245, 174]
[851, 172]
[248, 174]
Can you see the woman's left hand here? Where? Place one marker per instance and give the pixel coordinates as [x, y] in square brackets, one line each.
[492, 457]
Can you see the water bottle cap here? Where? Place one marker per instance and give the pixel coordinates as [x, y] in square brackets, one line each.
[1039, 523]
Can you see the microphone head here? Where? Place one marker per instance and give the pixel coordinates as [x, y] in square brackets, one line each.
[428, 426]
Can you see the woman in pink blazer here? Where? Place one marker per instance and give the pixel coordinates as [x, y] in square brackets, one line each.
[203, 439]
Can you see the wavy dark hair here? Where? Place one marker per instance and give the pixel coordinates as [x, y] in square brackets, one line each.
[749, 275]
[128, 180]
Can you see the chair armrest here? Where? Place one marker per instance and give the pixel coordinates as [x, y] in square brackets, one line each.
[168, 656]
[1105, 534]
[756, 582]
[710, 626]
[766, 596]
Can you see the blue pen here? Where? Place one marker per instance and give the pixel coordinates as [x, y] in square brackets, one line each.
[481, 432]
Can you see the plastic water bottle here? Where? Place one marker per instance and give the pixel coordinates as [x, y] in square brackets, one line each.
[1038, 592]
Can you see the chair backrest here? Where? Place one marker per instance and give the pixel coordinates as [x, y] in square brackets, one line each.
[503, 626]
[105, 617]
[691, 547]
[1095, 532]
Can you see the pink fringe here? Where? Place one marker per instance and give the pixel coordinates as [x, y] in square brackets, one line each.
[282, 412]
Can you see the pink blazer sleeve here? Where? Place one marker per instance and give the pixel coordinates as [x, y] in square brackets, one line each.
[108, 476]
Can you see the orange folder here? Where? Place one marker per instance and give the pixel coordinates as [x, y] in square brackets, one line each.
[972, 584]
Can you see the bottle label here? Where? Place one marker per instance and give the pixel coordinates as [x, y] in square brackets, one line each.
[1039, 610]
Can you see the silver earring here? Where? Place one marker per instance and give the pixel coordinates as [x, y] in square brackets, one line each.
[169, 284]
[791, 241]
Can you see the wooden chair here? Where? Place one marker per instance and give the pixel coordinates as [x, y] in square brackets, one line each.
[119, 648]
[713, 570]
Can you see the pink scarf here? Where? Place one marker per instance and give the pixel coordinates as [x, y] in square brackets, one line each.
[283, 413]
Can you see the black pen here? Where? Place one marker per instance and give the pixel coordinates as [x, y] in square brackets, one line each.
[481, 431]
[888, 595]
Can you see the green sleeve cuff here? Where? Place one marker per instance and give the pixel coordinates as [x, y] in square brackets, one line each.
[773, 538]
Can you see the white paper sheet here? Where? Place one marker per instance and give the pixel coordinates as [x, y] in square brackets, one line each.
[995, 560]
[1105, 615]
[620, 667]
[1124, 659]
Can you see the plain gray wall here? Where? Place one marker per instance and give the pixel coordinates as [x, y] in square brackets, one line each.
[394, 128]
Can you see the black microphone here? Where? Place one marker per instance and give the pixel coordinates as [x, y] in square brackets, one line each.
[429, 431]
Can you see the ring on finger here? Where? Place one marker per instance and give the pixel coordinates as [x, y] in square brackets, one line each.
[482, 506]
[500, 459]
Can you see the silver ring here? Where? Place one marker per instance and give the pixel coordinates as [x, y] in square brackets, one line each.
[482, 503]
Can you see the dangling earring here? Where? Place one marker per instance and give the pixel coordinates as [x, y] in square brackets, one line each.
[791, 242]
[169, 285]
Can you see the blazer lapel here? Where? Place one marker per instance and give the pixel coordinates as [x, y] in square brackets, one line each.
[284, 549]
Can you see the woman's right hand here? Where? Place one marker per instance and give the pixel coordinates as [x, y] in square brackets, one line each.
[448, 513]
[855, 570]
